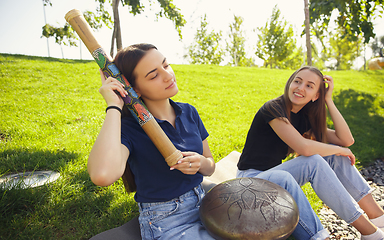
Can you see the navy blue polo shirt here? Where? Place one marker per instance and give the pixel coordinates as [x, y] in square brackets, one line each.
[154, 181]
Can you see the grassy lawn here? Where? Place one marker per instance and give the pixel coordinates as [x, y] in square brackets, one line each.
[51, 112]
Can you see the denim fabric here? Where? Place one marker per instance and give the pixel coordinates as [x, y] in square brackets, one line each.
[174, 219]
[349, 176]
[337, 183]
[309, 226]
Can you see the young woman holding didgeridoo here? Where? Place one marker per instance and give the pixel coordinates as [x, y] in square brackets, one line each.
[168, 197]
[296, 123]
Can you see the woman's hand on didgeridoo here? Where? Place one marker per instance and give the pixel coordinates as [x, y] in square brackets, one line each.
[108, 88]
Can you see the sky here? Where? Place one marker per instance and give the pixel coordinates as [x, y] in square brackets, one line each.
[22, 22]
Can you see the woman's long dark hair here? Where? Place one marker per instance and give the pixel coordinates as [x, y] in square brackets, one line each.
[316, 111]
[126, 61]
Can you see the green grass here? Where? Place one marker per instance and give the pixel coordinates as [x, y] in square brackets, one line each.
[51, 113]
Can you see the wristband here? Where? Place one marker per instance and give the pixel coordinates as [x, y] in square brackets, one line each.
[114, 107]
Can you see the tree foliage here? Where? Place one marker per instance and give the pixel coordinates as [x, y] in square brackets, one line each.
[354, 16]
[170, 11]
[343, 51]
[276, 44]
[63, 35]
[377, 46]
[102, 17]
[206, 47]
[47, 2]
[167, 10]
[236, 45]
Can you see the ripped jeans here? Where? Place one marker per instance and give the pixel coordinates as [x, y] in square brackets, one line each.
[175, 219]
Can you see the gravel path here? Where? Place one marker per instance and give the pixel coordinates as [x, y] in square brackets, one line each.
[337, 227]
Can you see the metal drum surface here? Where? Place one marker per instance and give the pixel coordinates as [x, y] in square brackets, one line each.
[249, 208]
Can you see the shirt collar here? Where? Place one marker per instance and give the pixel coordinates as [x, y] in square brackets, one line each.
[176, 107]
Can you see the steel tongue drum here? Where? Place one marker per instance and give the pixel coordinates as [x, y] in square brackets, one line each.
[249, 208]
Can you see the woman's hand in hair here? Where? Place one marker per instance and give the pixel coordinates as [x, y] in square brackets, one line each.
[108, 88]
[328, 80]
[342, 135]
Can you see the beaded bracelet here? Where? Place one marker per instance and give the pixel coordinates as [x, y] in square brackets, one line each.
[114, 107]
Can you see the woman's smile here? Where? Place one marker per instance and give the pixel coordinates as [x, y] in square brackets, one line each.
[171, 85]
[298, 94]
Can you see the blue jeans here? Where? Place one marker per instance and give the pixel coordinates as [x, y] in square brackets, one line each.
[309, 226]
[337, 183]
[175, 219]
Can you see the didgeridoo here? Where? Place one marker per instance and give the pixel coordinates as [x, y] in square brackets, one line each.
[132, 101]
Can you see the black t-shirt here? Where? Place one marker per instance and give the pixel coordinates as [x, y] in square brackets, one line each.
[263, 148]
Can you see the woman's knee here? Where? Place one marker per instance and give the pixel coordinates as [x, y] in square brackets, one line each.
[334, 160]
[315, 161]
[279, 177]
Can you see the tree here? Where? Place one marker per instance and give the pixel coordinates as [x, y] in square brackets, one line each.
[206, 47]
[319, 56]
[116, 34]
[307, 33]
[343, 51]
[354, 16]
[276, 44]
[63, 35]
[167, 9]
[377, 46]
[236, 44]
[101, 16]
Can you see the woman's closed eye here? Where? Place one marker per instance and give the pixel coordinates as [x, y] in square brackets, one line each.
[154, 73]
[154, 76]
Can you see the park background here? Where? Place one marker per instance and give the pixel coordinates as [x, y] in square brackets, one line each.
[51, 113]
[22, 22]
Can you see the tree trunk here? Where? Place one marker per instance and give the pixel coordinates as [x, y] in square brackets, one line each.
[307, 33]
[365, 59]
[116, 35]
[113, 42]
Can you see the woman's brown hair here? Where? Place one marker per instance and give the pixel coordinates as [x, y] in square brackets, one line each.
[316, 110]
[126, 61]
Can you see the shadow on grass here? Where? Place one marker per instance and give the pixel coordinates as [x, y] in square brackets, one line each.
[20, 160]
[70, 208]
[360, 111]
[374, 72]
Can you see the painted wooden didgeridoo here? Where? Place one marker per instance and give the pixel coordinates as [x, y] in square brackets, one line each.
[132, 101]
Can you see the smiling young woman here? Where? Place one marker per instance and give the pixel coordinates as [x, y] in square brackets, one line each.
[296, 123]
[304, 88]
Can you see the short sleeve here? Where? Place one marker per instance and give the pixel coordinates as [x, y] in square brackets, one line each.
[200, 125]
[271, 110]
